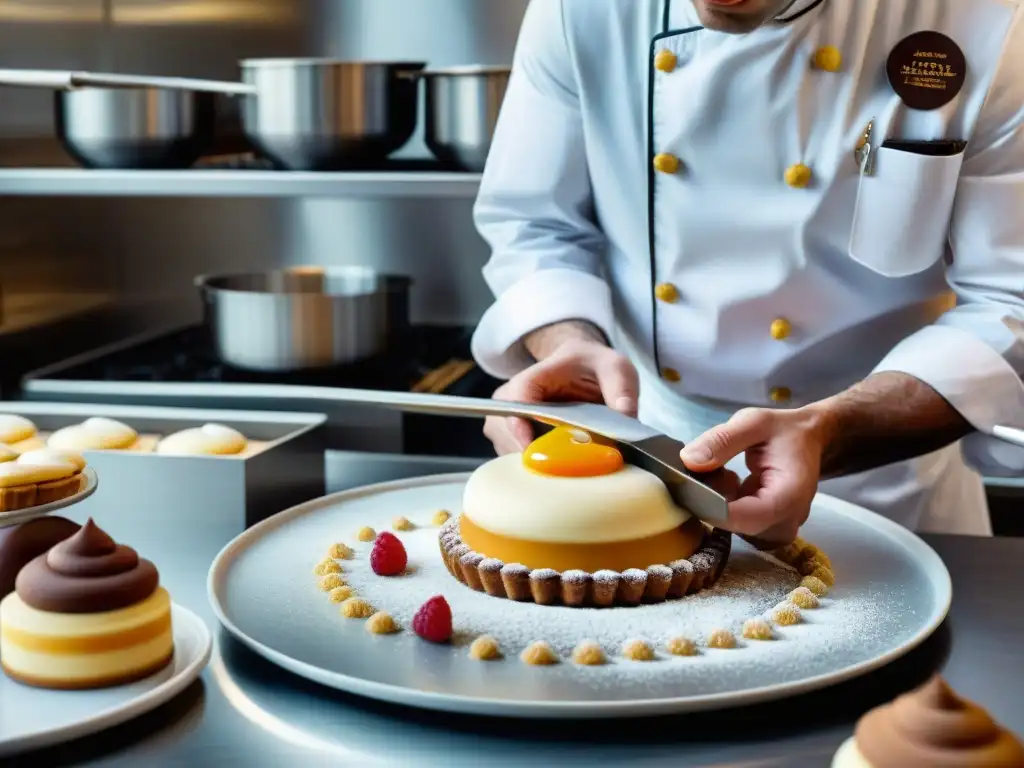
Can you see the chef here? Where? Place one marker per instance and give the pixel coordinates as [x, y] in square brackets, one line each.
[790, 234]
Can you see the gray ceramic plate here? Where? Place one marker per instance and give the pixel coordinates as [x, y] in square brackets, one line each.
[31, 718]
[893, 592]
[29, 513]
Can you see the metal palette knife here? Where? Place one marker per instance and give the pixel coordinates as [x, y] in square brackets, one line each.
[640, 445]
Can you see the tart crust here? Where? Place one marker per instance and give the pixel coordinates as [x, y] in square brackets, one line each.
[17, 497]
[578, 588]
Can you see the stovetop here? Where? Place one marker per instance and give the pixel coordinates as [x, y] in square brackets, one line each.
[426, 358]
[187, 355]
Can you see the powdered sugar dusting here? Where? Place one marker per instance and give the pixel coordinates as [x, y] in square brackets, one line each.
[634, 576]
[751, 586]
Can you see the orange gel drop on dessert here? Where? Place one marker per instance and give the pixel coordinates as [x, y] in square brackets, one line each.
[570, 452]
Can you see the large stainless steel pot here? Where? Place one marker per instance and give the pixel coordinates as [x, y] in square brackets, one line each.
[324, 114]
[306, 317]
[462, 106]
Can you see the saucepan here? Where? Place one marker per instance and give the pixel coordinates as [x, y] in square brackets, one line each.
[462, 107]
[304, 114]
[304, 317]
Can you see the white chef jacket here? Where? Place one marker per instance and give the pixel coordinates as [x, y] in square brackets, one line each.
[726, 283]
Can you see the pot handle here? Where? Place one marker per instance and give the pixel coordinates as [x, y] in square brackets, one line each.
[79, 79]
[66, 81]
[38, 78]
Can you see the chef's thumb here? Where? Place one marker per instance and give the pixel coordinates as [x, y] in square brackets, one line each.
[719, 445]
[619, 382]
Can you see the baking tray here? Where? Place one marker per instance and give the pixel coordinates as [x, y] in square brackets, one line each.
[284, 466]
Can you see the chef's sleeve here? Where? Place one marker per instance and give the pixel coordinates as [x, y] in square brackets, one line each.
[535, 207]
[974, 354]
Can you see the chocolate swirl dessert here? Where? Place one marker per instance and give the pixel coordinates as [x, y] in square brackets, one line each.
[930, 727]
[89, 613]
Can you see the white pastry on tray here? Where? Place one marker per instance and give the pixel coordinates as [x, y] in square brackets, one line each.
[207, 440]
[95, 434]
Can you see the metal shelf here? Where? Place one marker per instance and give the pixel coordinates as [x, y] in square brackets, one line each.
[77, 182]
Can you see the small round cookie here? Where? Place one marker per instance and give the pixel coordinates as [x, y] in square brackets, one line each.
[207, 440]
[14, 428]
[95, 434]
[485, 648]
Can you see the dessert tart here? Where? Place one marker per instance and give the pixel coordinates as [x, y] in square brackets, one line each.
[22, 543]
[18, 433]
[930, 727]
[89, 613]
[568, 521]
[207, 440]
[37, 477]
[95, 434]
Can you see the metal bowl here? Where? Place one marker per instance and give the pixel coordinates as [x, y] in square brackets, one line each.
[462, 107]
[135, 127]
[323, 114]
[306, 317]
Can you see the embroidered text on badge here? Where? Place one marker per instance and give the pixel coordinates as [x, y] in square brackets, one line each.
[927, 70]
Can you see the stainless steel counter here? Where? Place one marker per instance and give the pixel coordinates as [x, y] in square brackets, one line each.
[246, 712]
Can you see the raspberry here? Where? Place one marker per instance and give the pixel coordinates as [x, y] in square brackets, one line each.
[433, 621]
[388, 558]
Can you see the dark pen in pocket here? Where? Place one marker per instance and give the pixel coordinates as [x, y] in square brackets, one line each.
[938, 148]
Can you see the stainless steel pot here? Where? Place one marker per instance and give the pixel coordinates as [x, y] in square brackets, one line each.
[324, 114]
[462, 106]
[130, 121]
[306, 317]
[137, 128]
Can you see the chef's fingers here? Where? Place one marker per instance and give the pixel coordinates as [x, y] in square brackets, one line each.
[772, 504]
[509, 435]
[618, 379]
[716, 447]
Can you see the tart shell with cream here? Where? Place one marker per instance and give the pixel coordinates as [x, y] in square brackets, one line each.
[18, 433]
[38, 477]
[567, 521]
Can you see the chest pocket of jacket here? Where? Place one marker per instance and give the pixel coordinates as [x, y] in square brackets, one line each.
[901, 217]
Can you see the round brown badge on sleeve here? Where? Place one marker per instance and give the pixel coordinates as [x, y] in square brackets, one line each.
[927, 70]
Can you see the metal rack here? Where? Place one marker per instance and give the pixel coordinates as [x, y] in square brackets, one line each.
[76, 182]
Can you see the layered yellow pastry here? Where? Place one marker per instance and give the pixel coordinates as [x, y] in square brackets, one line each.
[95, 434]
[569, 504]
[207, 440]
[18, 433]
[40, 476]
[89, 613]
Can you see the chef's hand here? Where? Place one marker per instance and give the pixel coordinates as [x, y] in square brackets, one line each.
[575, 364]
[783, 453]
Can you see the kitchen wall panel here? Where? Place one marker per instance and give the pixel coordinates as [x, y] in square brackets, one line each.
[147, 250]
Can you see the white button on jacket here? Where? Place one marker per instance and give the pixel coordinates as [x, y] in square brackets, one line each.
[916, 265]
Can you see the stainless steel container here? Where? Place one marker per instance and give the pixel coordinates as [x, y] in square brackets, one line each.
[324, 114]
[462, 106]
[135, 127]
[306, 317]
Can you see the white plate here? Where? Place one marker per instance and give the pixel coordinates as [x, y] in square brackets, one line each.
[31, 718]
[30, 513]
[893, 592]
